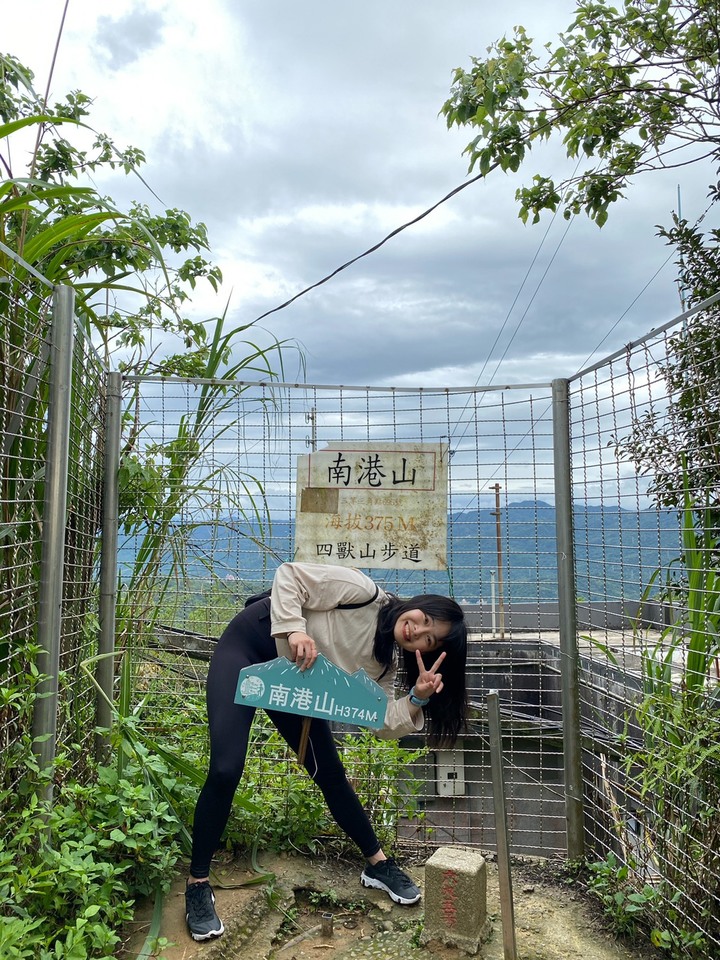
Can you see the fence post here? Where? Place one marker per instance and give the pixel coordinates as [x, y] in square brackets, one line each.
[507, 909]
[105, 670]
[54, 518]
[572, 746]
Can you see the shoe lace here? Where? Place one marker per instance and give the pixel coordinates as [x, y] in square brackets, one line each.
[394, 871]
[199, 902]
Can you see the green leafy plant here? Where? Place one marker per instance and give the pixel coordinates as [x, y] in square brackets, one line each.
[610, 881]
[380, 772]
[279, 806]
[289, 922]
[669, 884]
[133, 273]
[634, 911]
[69, 874]
[625, 89]
[417, 930]
[331, 899]
[168, 482]
[682, 656]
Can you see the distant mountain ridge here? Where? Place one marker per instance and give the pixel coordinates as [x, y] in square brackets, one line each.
[617, 551]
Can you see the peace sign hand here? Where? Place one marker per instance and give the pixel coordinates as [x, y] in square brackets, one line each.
[429, 681]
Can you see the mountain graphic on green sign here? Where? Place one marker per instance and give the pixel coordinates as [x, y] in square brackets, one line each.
[323, 691]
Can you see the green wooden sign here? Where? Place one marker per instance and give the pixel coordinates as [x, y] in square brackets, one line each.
[323, 691]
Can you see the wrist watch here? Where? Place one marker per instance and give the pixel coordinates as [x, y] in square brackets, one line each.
[417, 701]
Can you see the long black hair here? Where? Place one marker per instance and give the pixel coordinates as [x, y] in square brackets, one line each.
[447, 711]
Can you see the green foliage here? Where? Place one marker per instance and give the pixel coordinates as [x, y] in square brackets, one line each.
[117, 261]
[626, 907]
[626, 90]
[332, 900]
[692, 641]
[162, 484]
[133, 272]
[678, 438]
[669, 883]
[69, 875]
[289, 924]
[381, 773]
[698, 259]
[417, 930]
[279, 806]
[632, 912]
[676, 777]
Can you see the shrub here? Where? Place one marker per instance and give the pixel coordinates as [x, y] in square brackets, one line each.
[69, 874]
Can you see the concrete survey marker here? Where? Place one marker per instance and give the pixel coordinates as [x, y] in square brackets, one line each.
[324, 691]
[456, 899]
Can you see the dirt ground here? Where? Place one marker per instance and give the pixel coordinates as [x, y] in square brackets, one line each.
[553, 920]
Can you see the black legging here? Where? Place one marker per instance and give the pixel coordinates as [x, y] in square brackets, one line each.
[247, 641]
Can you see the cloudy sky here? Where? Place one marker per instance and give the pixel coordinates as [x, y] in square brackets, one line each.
[303, 133]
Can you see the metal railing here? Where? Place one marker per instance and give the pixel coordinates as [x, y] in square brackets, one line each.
[230, 537]
[644, 433]
[51, 408]
[587, 617]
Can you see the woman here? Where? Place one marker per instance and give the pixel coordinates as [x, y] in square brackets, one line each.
[341, 613]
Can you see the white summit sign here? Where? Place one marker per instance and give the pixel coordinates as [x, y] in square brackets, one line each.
[373, 505]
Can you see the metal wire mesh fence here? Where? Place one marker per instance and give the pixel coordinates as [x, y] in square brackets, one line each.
[236, 523]
[236, 519]
[208, 504]
[645, 428]
[644, 530]
[25, 348]
[83, 528]
[26, 372]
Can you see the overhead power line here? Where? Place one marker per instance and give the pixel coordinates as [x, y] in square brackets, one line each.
[375, 247]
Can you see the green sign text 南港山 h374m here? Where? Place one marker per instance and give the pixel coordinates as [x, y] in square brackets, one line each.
[324, 691]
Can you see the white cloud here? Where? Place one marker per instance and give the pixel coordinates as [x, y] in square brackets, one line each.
[302, 134]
